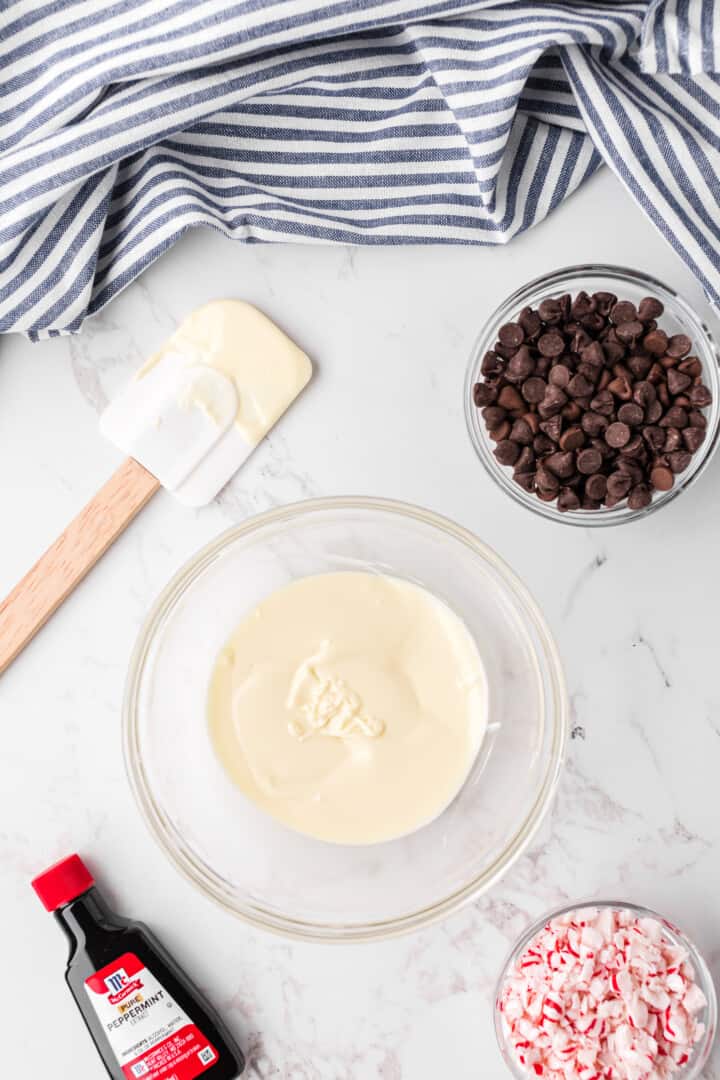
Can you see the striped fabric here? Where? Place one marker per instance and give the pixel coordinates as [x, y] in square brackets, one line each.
[122, 124]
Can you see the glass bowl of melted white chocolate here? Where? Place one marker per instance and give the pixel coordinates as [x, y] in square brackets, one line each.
[344, 719]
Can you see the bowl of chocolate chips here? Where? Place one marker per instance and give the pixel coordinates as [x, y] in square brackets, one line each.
[593, 395]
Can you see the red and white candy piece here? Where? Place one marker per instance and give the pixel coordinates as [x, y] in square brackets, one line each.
[600, 994]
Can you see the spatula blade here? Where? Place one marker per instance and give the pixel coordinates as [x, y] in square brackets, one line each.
[196, 410]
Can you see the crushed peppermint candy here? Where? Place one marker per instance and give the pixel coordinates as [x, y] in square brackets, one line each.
[601, 994]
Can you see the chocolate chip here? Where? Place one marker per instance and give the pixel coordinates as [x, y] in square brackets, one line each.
[552, 402]
[492, 364]
[677, 381]
[533, 389]
[656, 342]
[567, 500]
[560, 376]
[526, 480]
[551, 344]
[678, 346]
[510, 399]
[696, 419]
[675, 417]
[543, 444]
[590, 375]
[526, 461]
[614, 350]
[593, 323]
[603, 403]
[552, 428]
[605, 302]
[700, 396]
[572, 439]
[661, 478]
[617, 435]
[630, 331]
[582, 305]
[631, 414]
[511, 335]
[653, 412]
[655, 437]
[520, 365]
[501, 432]
[507, 452]
[596, 486]
[594, 424]
[690, 366]
[484, 394]
[593, 354]
[632, 469]
[620, 371]
[550, 310]
[623, 312]
[521, 433]
[635, 448]
[546, 481]
[574, 410]
[603, 448]
[650, 308]
[639, 365]
[618, 485]
[679, 460]
[673, 439]
[639, 497]
[693, 437]
[561, 463]
[621, 388]
[493, 415]
[530, 322]
[589, 461]
[580, 387]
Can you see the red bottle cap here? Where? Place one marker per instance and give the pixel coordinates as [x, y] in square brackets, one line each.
[62, 882]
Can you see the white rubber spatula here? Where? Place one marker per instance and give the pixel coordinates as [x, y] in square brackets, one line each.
[188, 421]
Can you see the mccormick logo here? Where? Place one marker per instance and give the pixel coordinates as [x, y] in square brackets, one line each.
[119, 986]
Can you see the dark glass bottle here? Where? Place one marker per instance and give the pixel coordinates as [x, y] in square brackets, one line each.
[146, 1018]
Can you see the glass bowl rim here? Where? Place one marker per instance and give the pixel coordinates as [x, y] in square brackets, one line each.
[557, 713]
[704, 977]
[551, 280]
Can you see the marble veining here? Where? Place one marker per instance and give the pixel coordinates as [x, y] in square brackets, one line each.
[634, 611]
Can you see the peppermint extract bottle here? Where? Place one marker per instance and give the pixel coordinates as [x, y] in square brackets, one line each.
[145, 1017]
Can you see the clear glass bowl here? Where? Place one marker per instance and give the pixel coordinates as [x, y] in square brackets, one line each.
[279, 879]
[678, 317]
[708, 1016]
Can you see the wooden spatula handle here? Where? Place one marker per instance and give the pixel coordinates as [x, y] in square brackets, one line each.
[67, 561]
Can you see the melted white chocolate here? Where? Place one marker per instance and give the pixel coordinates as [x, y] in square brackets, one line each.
[328, 706]
[349, 706]
[267, 368]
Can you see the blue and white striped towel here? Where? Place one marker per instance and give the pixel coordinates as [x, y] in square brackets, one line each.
[352, 121]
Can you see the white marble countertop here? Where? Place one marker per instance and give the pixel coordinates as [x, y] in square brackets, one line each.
[634, 610]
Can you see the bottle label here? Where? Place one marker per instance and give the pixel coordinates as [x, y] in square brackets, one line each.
[151, 1036]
